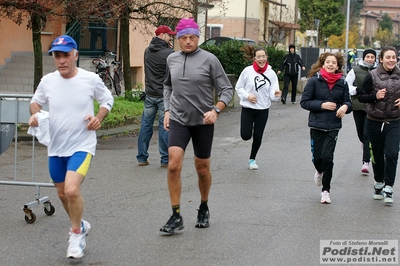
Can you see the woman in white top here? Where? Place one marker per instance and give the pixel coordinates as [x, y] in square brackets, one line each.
[256, 87]
[355, 79]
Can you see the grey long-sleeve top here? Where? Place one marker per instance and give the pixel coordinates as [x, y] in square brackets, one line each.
[189, 84]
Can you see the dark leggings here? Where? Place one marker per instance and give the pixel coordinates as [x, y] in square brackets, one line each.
[252, 124]
[360, 118]
[323, 144]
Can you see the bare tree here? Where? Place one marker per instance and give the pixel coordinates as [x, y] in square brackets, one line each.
[281, 24]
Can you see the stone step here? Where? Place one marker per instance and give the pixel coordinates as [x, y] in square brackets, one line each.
[26, 59]
[18, 88]
[17, 75]
[22, 67]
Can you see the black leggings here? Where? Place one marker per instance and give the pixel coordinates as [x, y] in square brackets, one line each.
[360, 118]
[252, 124]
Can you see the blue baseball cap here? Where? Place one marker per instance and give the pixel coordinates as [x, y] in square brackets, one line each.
[63, 43]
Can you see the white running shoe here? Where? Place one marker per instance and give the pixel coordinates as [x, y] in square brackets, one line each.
[77, 242]
[325, 199]
[318, 178]
[253, 165]
[85, 228]
[378, 187]
[365, 168]
[388, 195]
[75, 245]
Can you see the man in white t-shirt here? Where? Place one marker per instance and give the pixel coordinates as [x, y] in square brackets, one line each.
[69, 92]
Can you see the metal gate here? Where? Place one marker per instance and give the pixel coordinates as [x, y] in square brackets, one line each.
[94, 38]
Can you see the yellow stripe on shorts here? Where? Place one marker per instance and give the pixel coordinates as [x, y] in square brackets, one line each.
[84, 168]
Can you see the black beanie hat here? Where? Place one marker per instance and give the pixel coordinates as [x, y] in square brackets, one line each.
[368, 51]
[292, 46]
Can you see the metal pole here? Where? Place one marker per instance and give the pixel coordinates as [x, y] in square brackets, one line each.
[245, 19]
[317, 21]
[347, 34]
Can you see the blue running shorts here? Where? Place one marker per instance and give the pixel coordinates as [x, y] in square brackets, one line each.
[79, 162]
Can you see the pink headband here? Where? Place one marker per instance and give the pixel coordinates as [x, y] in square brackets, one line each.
[188, 31]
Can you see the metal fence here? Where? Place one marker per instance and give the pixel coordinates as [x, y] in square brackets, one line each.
[14, 110]
[94, 38]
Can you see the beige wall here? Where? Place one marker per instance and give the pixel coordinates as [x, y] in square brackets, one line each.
[234, 27]
[234, 20]
[17, 39]
[140, 38]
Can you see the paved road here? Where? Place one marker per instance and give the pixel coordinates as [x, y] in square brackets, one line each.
[267, 217]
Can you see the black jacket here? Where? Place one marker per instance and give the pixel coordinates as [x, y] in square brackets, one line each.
[291, 63]
[155, 66]
[317, 92]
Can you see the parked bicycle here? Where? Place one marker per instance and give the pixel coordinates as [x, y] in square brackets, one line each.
[112, 79]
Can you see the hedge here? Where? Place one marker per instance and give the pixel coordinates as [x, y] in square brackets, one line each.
[231, 57]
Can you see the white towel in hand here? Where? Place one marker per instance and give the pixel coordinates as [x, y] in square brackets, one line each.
[41, 132]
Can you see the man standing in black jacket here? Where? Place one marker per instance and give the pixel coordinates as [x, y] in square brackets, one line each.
[291, 63]
[155, 58]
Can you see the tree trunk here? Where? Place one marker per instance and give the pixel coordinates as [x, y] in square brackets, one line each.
[126, 62]
[37, 50]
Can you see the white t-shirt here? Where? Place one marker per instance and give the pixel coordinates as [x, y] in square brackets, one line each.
[70, 101]
[250, 82]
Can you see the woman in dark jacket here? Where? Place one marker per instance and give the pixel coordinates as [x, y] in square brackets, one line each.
[326, 96]
[381, 91]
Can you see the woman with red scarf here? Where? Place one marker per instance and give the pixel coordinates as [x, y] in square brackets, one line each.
[256, 87]
[326, 96]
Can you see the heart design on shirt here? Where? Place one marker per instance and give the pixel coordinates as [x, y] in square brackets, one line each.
[258, 82]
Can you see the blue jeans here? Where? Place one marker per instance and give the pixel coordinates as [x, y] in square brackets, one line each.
[151, 106]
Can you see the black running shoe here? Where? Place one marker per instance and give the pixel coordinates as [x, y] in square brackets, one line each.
[203, 218]
[173, 225]
[283, 100]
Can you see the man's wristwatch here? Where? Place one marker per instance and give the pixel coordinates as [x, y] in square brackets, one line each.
[217, 110]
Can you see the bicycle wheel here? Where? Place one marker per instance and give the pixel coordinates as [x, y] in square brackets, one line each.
[105, 77]
[117, 82]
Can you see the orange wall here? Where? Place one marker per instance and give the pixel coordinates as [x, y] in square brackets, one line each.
[19, 39]
[140, 38]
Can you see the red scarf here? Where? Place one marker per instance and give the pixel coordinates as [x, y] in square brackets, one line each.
[330, 78]
[259, 69]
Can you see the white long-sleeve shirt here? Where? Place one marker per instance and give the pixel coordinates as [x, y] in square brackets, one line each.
[251, 82]
[350, 78]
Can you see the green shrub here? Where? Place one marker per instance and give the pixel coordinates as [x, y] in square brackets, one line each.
[138, 92]
[275, 57]
[122, 110]
[231, 57]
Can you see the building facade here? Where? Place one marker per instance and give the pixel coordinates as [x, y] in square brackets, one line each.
[265, 21]
[372, 15]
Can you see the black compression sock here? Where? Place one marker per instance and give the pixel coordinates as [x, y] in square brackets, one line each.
[176, 210]
[204, 204]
